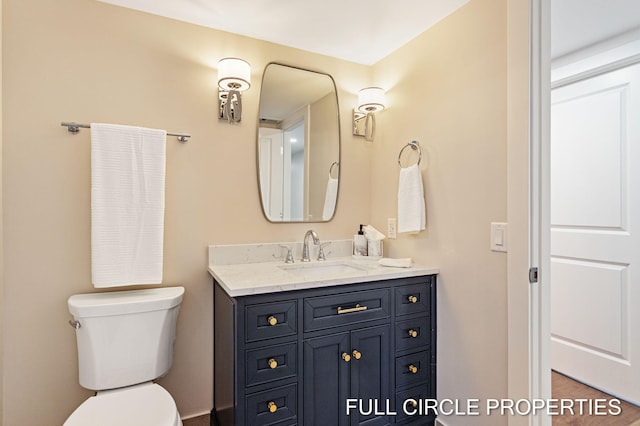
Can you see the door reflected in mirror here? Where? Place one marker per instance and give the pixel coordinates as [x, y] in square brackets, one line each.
[298, 145]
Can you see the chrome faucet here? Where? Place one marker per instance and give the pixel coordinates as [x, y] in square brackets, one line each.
[305, 244]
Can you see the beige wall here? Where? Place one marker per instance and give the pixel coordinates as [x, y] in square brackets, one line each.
[323, 114]
[85, 61]
[447, 89]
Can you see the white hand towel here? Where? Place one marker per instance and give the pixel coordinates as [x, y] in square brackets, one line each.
[405, 262]
[330, 198]
[127, 205]
[411, 206]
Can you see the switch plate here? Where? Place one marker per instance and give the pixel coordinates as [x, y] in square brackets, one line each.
[391, 228]
[499, 236]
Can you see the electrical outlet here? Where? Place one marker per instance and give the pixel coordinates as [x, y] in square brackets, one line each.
[391, 227]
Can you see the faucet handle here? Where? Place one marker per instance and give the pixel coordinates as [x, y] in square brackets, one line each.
[321, 254]
[289, 258]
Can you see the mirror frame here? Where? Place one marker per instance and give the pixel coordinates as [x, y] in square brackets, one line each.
[335, 88]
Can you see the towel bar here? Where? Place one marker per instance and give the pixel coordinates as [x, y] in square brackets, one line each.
[75, 128]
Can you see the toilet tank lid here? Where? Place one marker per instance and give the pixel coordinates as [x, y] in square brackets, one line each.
[124, 302]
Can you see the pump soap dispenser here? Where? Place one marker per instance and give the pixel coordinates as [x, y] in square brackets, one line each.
[360, 243]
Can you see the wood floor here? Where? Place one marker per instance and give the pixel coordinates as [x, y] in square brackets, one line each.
[564, 387]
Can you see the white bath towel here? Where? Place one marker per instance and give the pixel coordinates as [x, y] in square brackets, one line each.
[127, 205]
[330, 198]
[411, 206]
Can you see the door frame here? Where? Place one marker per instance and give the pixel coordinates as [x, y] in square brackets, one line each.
[537, 303]
[528, 204]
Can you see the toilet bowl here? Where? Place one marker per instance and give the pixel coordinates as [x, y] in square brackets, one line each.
[125, 341]
[139, 405]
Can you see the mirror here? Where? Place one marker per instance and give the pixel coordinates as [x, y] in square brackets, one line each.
[298, 145]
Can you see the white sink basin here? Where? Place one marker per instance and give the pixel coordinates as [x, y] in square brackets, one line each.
[320, 269]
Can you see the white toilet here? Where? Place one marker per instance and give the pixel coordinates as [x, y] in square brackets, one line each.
[125, 340]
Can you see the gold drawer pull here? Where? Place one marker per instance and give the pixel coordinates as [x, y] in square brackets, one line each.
[413, 403]
[413, 369]
[412, 299]
[272, 407]
[413, 333]
[356, 354]
[272, 363]
[272, 320]
[346, 357]
[356, 308]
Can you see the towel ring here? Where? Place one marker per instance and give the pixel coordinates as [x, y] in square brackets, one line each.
[414, 145]
[336, 164]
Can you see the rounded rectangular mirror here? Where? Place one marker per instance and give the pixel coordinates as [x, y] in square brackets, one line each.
[298, 145]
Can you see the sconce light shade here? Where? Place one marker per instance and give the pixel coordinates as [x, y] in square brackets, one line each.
[234, 74]
[371, 99]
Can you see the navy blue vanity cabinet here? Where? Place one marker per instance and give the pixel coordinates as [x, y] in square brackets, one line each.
[296, 357]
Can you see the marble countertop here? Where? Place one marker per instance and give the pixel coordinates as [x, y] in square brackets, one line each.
[245, 278]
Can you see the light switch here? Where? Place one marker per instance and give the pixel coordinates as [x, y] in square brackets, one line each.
[499, 236]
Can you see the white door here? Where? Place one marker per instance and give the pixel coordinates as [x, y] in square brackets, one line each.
[595, 231]
[271, 173]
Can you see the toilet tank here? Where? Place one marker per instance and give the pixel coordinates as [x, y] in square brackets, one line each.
[125, 337]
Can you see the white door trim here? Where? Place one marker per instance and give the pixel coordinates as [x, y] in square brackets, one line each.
[540, 92]
[528, 151]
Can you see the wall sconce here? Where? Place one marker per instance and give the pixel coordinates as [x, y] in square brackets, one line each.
[370, 101]
[234, 77]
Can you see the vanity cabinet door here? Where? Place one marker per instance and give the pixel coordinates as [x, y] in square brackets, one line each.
[326, 380]
[346, 365]
[370, 374]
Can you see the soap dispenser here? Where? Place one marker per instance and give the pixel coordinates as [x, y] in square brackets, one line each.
[360, 243]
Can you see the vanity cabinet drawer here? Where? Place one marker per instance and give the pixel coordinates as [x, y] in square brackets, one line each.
[411, 405]
[412, 333]
[271, 363]
[346, 308]
[277, 405]
[412, 299]
[270, 320]
[413, 369]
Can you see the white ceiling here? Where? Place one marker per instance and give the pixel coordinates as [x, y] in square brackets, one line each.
[358, 31]
[576, 24]
[367, 31]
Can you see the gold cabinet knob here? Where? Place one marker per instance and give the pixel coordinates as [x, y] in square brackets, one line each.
[413, 403]
[346, 357]
[412, 299]
[272, 407]
[413, 369]
[272, 320]
[413, 333]
[272, 363]
[356, 354]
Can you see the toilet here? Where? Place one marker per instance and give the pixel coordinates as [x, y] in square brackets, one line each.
[125, 341]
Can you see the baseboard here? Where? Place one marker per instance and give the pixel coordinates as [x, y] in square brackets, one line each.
[193, 416]
[439, 422]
